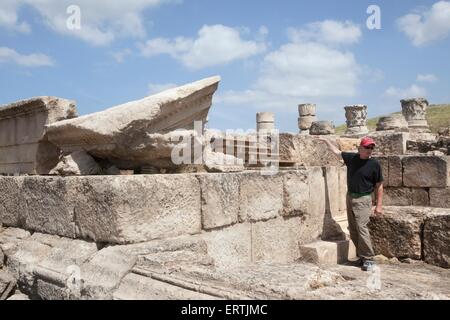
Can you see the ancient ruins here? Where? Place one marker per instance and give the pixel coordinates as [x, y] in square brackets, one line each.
[142, 201]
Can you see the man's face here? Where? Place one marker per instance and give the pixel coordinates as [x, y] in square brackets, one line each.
[366, 152]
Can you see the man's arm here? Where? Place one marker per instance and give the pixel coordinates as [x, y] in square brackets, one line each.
[332, 147]
[379, 196]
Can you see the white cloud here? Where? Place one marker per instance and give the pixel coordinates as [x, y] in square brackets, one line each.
[30, 60]
[154, 88]
[427, 78]
[119, 56]
[427, 26]
[412, 92]
[102, 21]
[9, 18]
[215, 45]
[328, 32]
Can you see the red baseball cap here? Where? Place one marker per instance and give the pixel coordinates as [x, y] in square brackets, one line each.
[366, 141]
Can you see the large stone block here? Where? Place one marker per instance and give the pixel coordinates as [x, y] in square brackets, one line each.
[328, 252]
[395, 172]
[12, 202]
[440, 197]
[397, 233]
[306, 150]
[426, 171]
[384, 163]
[138, 133]
[296, 193]
[343, 190]
[317, 202]
[220, 199]
[23, 145]
[397, 196]
[436, 239]
[390, 143]
[261, 197]
[420, 197]
[231, 246]
[129, 209]
[49, 206]
[277, 240]
[331, 228]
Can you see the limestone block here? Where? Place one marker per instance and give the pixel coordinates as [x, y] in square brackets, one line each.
[397, 196]
[342, 171]
[7, 284]
[328, 252]
[23, 145]
[426, 171]
[49, 205]
[102, 274]
[390, 143]
[306, 150]
[440, 197]
[397, 233]
[296, 193]
[395, 169]
[78, 163]
[132, 134]
[260, 197]
[10, 238]
[220, 199]
[321, 128]
[277, 240]
[137, 287]
[129, 209]
[436, 239]
[12, 203]
[384, 163]
[420, 197]
[231, 246]
[331, 228]
[313, 223]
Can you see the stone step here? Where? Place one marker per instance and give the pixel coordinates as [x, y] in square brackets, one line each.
[328, 252]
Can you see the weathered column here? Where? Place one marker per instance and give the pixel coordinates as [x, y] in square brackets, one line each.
[415, 111]
[356, 116]
[265, 121]
[307, 115]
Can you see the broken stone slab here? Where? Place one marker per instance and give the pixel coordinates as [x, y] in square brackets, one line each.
[328, 252]
[123, 135]
[393, 122]
[426, 171]
[24, 148]
[390, 143]
[7, 284]
[436, 239]
[397, 233]
[220, 199]
[10, 237]
[102, 274]
[321, 128]
[78, 163]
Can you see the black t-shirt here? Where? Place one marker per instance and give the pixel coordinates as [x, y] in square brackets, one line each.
[362, 175]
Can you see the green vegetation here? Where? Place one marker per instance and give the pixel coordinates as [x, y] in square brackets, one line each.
[437, 116]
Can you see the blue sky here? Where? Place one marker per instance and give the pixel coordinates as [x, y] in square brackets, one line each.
[271, 55]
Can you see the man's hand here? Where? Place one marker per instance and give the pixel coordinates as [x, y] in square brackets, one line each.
[378, 210]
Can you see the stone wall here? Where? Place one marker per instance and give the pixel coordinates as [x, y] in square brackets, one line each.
[23, 145]
[293, 207]
[416, 180]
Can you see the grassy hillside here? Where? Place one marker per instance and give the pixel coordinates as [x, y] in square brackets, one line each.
[437, 116]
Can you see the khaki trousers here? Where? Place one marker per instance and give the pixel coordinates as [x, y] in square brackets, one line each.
[358, 215]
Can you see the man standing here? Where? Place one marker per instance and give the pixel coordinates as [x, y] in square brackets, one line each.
[364, 176]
